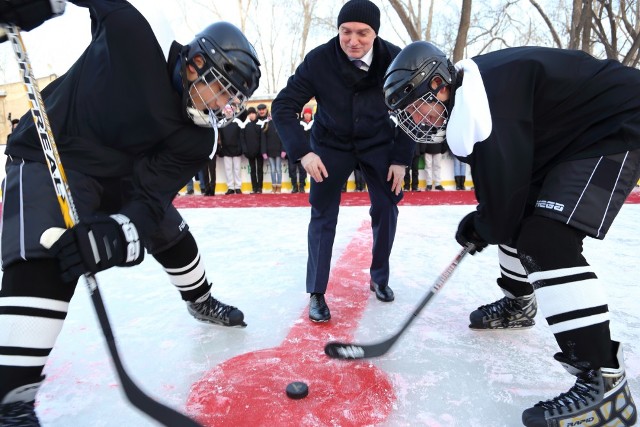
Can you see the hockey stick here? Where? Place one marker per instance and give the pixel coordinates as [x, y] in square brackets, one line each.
[137, 397]
[339, 350]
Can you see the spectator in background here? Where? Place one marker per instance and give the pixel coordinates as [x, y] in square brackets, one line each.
[297, 174]
[14, 123]
[231, 152]
[271, 148]
[459, 172]
[433, 150]
[351, 127]
[411, 175]
[208, 173]
[251, 149]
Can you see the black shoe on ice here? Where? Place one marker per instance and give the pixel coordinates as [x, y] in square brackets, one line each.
[318, 308]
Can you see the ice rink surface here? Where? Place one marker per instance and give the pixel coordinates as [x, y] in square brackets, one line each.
[439, 374]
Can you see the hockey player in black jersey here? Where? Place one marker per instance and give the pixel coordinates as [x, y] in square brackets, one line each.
[131, 128]
[553, 140]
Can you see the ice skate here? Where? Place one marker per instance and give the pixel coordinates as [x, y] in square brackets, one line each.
[506, 313]
[599, 398]
[211, 310]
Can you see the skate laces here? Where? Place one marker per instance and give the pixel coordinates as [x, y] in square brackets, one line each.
[498, 308]
[213, 307]
[581, 393]
[18, 412]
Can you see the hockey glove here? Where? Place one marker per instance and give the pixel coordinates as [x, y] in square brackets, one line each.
[93, 246]
[28, 14]
[467, 234]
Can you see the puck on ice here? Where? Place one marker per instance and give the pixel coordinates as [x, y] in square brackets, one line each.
[297, 390]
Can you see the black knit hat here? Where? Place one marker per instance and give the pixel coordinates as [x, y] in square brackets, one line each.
[360, 11]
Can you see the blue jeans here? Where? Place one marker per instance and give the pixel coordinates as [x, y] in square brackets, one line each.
[459, 168]
[275, 167]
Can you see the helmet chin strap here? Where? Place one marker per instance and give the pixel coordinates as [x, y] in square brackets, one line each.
[214, 125]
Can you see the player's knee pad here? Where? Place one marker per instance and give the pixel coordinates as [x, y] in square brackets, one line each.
[547, 244]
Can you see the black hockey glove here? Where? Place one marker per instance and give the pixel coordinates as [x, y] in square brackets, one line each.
[467, 234]
[28, 14]
[94, 246]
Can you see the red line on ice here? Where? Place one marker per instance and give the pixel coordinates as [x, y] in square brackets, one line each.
[249, 389]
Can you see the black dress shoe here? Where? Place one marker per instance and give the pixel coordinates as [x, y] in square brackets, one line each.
[318, 309]
[383, 292]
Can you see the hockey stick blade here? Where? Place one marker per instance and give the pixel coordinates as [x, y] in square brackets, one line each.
[163, 414]
[340, 350]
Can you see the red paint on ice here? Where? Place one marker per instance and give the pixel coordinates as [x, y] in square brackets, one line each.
[249, 389]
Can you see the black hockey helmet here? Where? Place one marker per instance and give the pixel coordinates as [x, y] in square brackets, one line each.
[408, 79]
[230, 60]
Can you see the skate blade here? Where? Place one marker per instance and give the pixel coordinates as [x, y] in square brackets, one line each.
[506, 328]
[210, 322]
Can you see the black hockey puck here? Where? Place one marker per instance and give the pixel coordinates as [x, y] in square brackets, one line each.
[297, 390]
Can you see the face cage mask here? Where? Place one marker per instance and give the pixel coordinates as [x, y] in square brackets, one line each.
[201, 93]
[423, 130]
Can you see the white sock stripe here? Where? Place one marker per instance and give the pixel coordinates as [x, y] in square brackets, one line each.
[510, 264]
[184, 278]
[508, 250]
[25, 361]
[578, 323]
[561, 272]
[33, 302]
[29, 331]
[554, 300]
[185, 268]
[514, 277]
[191, 287]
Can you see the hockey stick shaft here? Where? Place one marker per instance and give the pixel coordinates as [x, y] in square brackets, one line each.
[137, 397]
[338, 350]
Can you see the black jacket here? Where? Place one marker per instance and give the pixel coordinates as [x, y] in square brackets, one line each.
[251, 135]
[547, 106]
[352, 115]
[270, 140]
[116, 114]
[231, 139]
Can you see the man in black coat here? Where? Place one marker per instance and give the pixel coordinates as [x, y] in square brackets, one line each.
[251, 149]
[553, 140]
[352, 125]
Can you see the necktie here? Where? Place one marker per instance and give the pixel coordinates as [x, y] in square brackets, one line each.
[358, 63]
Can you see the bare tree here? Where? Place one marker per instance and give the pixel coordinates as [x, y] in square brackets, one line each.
[604, 28]
[463, 31]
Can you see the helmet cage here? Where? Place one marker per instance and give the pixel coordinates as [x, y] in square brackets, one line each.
[206, 90]
[417, 118]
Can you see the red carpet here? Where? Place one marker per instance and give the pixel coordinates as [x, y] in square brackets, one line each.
[423, 198]
[302, 200]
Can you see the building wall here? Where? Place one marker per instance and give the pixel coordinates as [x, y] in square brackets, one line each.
[14, 103]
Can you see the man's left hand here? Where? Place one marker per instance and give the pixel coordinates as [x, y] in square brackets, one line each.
[396, 176]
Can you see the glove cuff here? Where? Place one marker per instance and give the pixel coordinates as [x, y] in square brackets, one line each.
[130, 233]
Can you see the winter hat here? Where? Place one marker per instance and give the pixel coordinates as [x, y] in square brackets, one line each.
[251, 110]
[360, 11]
[307, 110]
